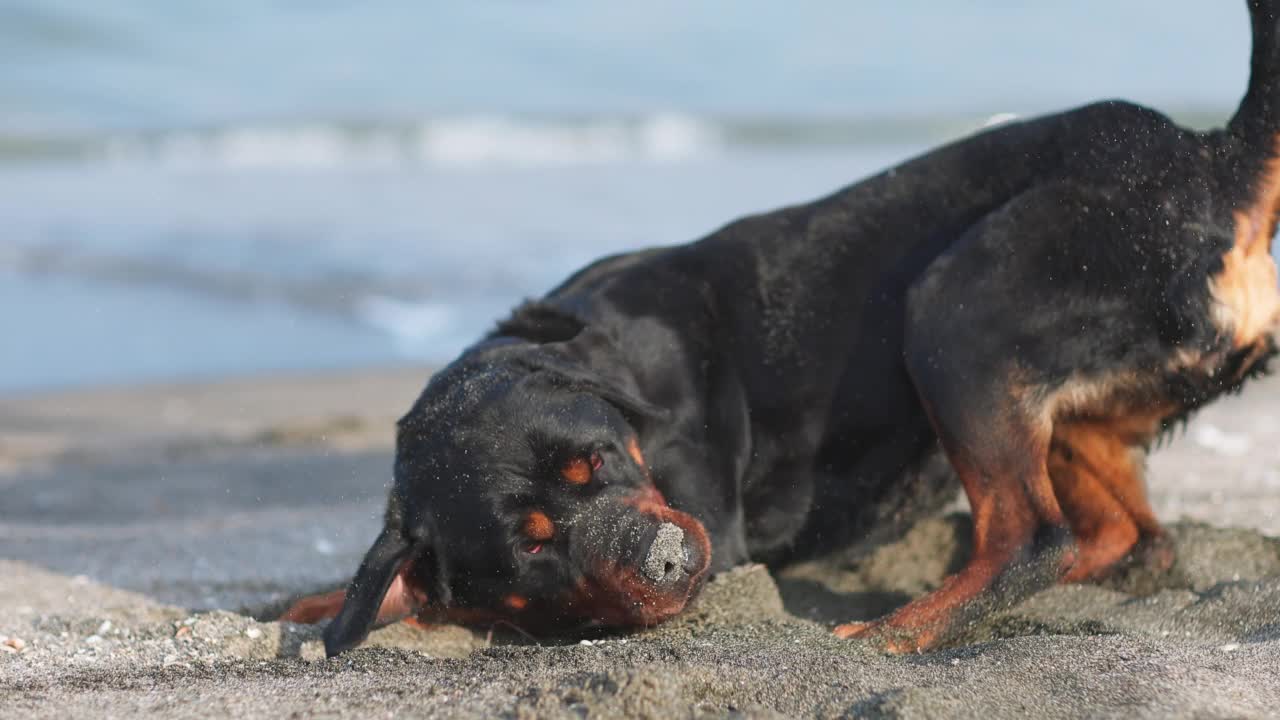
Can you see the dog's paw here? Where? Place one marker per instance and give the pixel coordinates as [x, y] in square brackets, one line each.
[897, 641]
[853, 630]
[1155, 553]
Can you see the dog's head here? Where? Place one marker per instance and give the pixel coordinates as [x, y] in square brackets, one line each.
[521, 494]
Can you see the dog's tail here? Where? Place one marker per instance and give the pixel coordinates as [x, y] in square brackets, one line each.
[1257, 121]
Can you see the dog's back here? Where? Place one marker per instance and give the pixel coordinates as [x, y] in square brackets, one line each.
[806, 309]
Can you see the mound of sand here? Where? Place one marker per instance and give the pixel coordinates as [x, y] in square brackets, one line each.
[1201, 640]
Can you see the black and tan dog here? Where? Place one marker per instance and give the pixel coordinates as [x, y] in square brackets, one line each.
[1026, 310]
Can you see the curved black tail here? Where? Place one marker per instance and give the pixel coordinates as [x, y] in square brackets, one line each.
[1257, 121]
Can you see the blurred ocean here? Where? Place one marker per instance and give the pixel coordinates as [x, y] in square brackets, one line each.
[191, 189]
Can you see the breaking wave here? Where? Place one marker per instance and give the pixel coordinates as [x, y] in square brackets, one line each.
[471, 140]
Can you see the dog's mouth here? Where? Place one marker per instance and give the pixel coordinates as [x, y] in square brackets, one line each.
[654, 583]
[619, 596]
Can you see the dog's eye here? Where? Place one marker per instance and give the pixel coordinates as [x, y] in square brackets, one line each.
[580, 469]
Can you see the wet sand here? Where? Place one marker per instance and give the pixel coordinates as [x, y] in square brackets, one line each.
[148, 536]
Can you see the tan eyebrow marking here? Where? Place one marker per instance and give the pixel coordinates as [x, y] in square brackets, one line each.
[515, 602]
[537, 526]
[633, 449]
[577, 471]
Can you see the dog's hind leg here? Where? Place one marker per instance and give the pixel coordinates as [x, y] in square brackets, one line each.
[1081, 464]
[1096, 468]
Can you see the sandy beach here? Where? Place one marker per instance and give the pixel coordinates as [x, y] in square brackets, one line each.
[149, 535]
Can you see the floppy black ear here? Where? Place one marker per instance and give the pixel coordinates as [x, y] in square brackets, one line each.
[609, 381]
[580, 356]
[366, 591]
[540, 323]
[616, 392]
[596, 363]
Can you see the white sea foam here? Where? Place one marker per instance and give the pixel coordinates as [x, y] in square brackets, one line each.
[303, 147]
[481, 140]
[412, 324]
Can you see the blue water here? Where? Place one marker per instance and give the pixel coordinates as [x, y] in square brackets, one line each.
[195, 189]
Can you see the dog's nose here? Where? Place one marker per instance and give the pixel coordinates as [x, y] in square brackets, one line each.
[666, 558]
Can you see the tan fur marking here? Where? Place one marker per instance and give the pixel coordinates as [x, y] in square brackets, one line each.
[1096, 466]
[1256, 224]
[1114, 396]
[1247, 300]
[1101, 427]
[537, 526]
[1245, 292]
[577, 471]
[633, 449]
[515, 602]
[1081, 466]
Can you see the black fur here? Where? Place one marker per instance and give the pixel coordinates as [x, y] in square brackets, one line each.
[781, 373]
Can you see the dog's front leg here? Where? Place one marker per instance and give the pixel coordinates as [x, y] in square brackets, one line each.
[1021, 542]
[982, 388]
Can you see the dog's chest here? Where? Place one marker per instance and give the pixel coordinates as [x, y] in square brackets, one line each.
[1244, 305]
[1245, 299]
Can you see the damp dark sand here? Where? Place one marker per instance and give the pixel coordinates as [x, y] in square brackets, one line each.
[148, 536]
